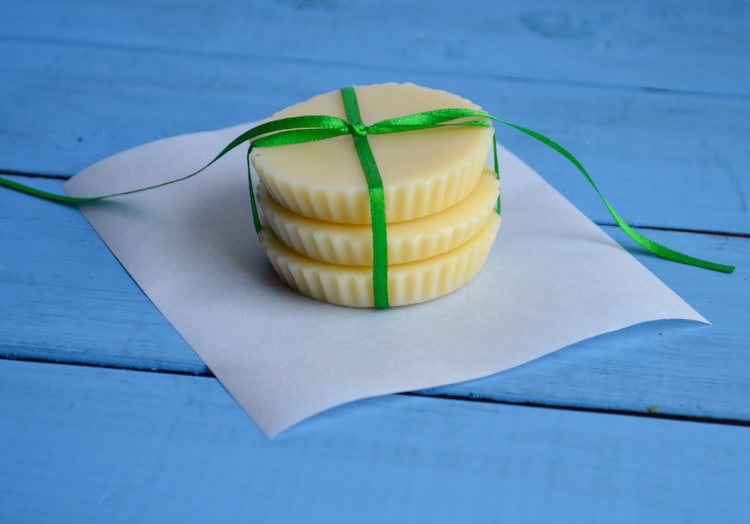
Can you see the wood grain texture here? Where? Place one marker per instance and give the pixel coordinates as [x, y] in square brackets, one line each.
[79, 103]
[653, 97]
[67, 299]
[58, 306]
[685, 46]
[93, 445]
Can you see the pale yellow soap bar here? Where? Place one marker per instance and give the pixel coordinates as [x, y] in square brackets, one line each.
[407, 283]
[408, 241]
[423, 172]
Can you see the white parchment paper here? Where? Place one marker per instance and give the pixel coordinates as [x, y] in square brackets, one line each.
[552, 279]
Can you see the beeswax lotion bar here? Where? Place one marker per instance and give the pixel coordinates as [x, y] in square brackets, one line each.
[408, 241]
[315, 200]
[423, 172]
[409, 283]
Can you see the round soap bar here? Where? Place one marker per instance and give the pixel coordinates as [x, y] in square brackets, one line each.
[408, 241]
[407, 283]
[423, 172]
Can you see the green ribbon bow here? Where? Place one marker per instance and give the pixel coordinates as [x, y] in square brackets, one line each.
[310, 128]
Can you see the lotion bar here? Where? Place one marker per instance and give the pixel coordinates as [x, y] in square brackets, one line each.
[439, 202]
[423, 172]
[407, 283]
[408, 241]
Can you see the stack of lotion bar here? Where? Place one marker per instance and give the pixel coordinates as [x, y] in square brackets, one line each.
[439, 202]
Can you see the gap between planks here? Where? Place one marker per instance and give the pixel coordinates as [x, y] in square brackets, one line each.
[390, 67]
[651, 413]
[11, 172]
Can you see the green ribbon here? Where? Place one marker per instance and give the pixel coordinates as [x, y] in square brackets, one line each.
[377, 198]
[310, 128]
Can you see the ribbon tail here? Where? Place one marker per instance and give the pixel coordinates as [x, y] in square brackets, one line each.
[284, 131]
[648, 244]
[46, 195]
[72, 200]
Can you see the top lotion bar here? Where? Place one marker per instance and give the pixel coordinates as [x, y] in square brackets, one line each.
[423, 172]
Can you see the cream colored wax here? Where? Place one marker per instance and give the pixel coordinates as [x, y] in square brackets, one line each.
[351, 245]
[423, 172]
[439, 202]
[407, 283]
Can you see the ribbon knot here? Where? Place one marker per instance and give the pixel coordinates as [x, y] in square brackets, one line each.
[358, 129]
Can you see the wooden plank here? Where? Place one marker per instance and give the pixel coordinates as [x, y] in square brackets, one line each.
[65, 298]
[84, 444]
[689, 46]
[663, 159]
[95, 445]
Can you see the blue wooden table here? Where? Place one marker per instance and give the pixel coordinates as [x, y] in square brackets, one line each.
[107, 415]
